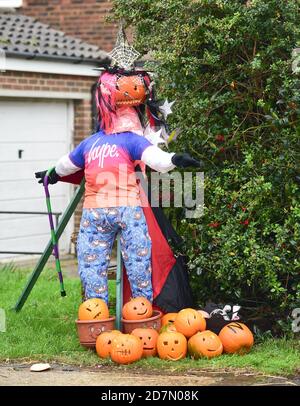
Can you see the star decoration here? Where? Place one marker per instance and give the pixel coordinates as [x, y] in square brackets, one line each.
[166, 108]
[154, 137]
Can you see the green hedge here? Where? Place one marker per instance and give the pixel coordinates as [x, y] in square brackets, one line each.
[228, 65]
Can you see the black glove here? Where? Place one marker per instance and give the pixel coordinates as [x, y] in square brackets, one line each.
[297, 179]
[183, 160]
[53, 177]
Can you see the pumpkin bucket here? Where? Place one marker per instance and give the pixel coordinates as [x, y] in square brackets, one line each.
[88, 330]
[151, 322]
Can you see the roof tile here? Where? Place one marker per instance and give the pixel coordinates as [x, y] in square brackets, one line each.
[26, 35]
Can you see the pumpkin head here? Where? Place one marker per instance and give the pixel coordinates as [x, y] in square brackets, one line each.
[130, 91]
[236, 338]
[93, 309]
[205, 344]
[148, 337]
[171, 346]
[104, 341]
[126, 348]
[137, 309]
[189, 322]
[168, 318]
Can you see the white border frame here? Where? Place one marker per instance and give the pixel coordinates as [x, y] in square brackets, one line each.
[55, 67]
[40, 94]
[11, 3]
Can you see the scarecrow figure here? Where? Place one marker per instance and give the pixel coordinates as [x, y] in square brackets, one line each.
[128, 114]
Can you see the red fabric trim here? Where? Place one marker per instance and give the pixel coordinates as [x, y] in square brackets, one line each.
[75, 178]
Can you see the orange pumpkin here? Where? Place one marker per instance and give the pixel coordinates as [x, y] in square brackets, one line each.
[205, 344]
[171, 346]
[93, 309]
[130, 91]
[137, 309]
[168, 318]
[104, 341]
[126, 348]
[189, 322]
[170, 327]
[236, 338]
[148, 337]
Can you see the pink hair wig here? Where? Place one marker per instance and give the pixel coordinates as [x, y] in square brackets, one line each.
[105, 99]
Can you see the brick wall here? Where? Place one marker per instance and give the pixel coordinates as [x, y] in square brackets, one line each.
[84, 19]
[65, 83]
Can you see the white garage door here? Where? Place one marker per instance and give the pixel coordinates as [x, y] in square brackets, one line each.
[33, 135]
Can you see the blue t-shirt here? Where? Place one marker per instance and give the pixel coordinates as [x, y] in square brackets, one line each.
[108, 162]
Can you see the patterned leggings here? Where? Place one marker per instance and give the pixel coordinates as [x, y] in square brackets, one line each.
[97, 233]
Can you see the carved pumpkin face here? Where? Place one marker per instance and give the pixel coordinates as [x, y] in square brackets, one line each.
[171, 346]
[93, 309]
[137, 309]
[130, 91]
[236, 338]
[126, 348]
[148, 337]
[104, 341]
[205, 344]
[168, 318]
[189, 322]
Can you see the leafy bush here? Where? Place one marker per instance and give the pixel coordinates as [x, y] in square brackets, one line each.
[228, 65]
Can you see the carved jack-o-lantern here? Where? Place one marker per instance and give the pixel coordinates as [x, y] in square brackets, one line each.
[148, 337]
[171, 346]
[168, 318]
[93, 309]
[130, 91]
[236, 338]
[189, 322]
[205, 344]
[137, 309]
[104, 341]
[126, 348]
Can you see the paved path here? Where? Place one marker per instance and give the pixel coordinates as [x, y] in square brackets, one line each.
[68, 375]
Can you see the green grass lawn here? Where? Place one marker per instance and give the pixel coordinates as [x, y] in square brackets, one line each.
[45, 331]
